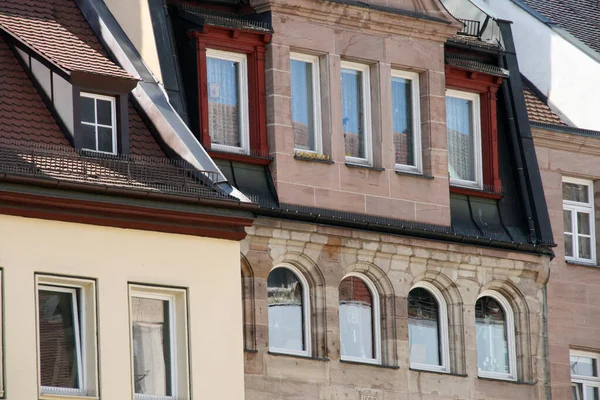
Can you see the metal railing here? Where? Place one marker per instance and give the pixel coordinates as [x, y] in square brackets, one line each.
[470, 28]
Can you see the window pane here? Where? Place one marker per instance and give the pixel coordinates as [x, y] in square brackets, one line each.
[105, 139]
[87, 110]
[423, 327]
[88, 133]
[575, 192]
[302, 105]
[104, 112]
[151, 346]
[353, 113]
[577, 389]
[223, 102]
[591, 393]
[568, 245]
[585, 247]
[583, 223]
[286, 322]
[567, 220]
[403, 120]
[461, 145]
[58, 330]
[583, 366]
[356, 318]
[492, 343]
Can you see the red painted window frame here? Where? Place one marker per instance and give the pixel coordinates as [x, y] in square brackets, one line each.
[487, 87]
[253, 44]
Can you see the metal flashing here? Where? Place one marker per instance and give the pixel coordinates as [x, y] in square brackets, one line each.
[566, 129]
[476, 65]
[201, 17]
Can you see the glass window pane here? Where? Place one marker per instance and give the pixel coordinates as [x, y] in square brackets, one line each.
[224, 112]
[403, 121]
[568, 245]
[356, 318]
[88, 133]
[151, 346]
[492, 343]
[583, 366]
[88, 110]
[575, 192]
[302, 105]
[286, 319]
[585, 247]
[353, 113]
[567, 220]
[577, 391]
[58, 330]
[423, 327]
[583, 223]
[461, 145]
[105, 139]
[591, 393]
[104, 112]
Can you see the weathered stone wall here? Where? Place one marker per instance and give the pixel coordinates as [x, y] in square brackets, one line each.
[394, 264]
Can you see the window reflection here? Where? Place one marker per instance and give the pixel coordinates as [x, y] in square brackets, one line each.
[356, 319]
[492, 342]
[423, 326]
[286, 314]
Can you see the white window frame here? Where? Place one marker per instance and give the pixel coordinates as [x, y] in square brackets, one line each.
[306, 313]
[443, 330]
[113, 126]
[510, 339]
[85, 334]
[577, 207]
[582, 379]
[178, 333]
[376, 310]
[242, 60]
[314, 61]
[366, 103]
[476, 121]
[413, 77]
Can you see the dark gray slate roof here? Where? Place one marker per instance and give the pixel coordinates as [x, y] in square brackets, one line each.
[581, 18]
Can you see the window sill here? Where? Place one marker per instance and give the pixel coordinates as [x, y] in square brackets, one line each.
[476, 192]
[581, 263]
[367, 363]
[413, 174]
[433, 371]
[318, 160]
[66, 397]
[245, 158]
[279, 354]
[507, 380]
[364, 166]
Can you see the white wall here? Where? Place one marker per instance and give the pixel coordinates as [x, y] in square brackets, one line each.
[209, 268]
[569, 77]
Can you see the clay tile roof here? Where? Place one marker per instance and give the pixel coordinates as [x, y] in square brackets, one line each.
[57, 30]
[537, 109]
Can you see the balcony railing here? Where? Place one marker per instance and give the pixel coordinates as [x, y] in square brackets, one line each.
[470, 28]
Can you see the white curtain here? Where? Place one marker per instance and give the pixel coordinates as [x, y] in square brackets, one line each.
[403, 121]
[223, 102]
[356, 330]
[352, 113]
[461, 146]
[302, 105]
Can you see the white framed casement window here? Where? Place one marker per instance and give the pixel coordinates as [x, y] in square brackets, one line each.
[463, 124]
[288, 311]
[585, 377]
[495, 335]
[98, 123]
[306, 103]
[356, 113]
[360, 320]
[67, 346]
[159, 342]
[406, 121]
[428, 328]
[227, 87]
[579, 219]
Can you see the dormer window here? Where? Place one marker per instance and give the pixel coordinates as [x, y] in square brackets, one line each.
[98, 123]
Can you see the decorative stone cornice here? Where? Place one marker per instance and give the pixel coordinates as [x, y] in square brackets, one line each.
[566, 141]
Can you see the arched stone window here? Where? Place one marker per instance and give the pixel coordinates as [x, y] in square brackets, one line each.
[495, 330]
[428, 328]
[289, 316]
[360, 330]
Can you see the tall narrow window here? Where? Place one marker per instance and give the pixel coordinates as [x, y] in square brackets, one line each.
[289, 322]
[359, 320]
[406, 122]
[98, 123]
[356, 112]
[463, 123]
[66, 334]
[578, 219]
[585, 377]
[306, 104]
[159, 342]
[427, 328]
[227, 86]
[494, 323]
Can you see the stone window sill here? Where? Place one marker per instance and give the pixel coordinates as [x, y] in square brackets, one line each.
[581, 263]
[369, 364]
[309, 159]
[414, 174]
[447, 373]
[273, 353]
[364, 166]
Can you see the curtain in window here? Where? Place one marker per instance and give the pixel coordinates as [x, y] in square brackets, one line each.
[461, 145]
[403, 121]
[353, 113]
[423, 327]
[356, 319]
[286, 321]
[492, 342]
[223, 102]
[302, 105]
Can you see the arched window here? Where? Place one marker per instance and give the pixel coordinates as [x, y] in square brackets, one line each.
[428, 328]
[494, 322]
[289, 322]
[359, 320]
